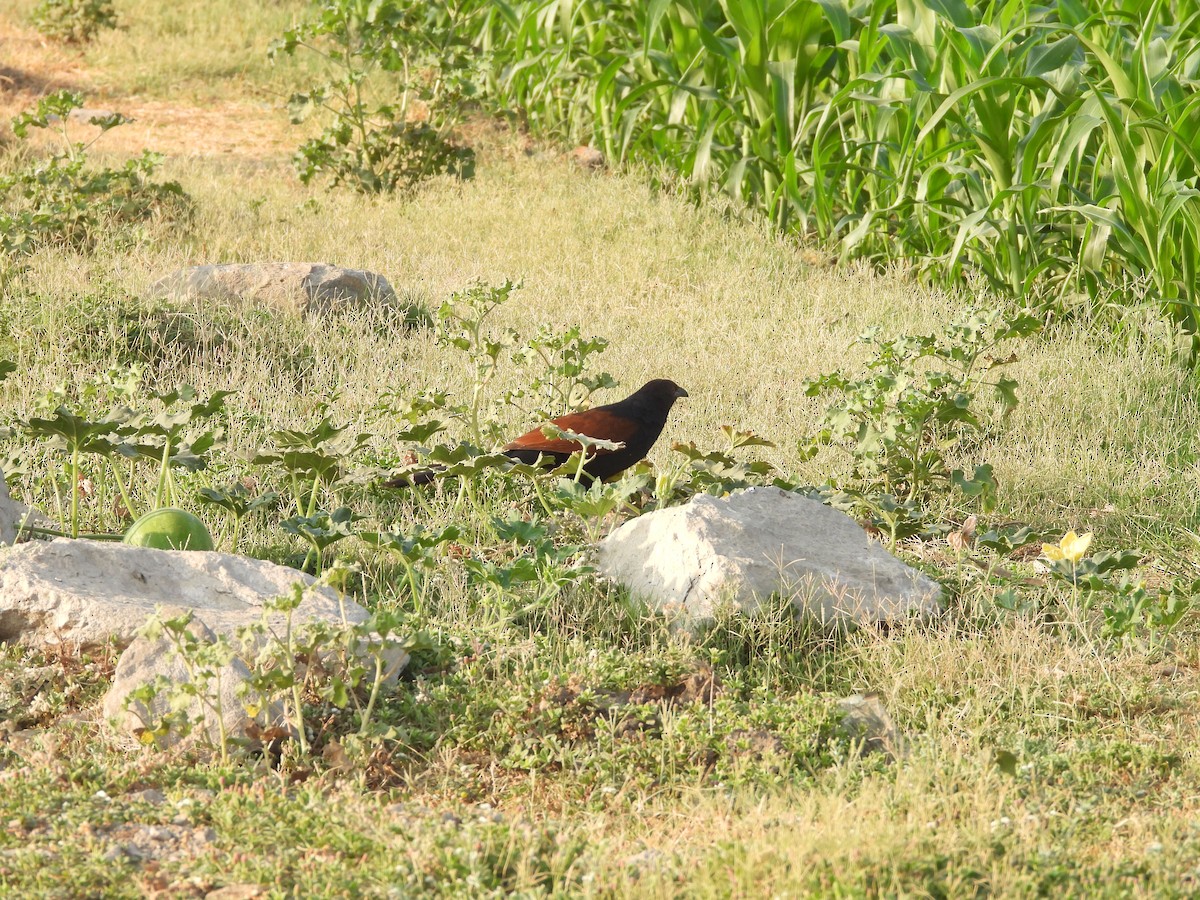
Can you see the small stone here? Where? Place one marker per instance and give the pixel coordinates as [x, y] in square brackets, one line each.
[486, 814]
[150, 796]
[645, 859]
[85, 114]
[865, 719]
[236, 892]
[588, 158]
[114, 853]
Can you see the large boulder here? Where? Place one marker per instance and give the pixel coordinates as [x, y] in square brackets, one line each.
[89, 592]
[292, 287]
[689, 560]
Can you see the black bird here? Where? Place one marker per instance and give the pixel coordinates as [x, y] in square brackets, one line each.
[636, 422]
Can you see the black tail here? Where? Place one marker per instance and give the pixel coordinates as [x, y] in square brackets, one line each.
[411, 479]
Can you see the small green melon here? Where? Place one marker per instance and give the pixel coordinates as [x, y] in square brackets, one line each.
[169, 529]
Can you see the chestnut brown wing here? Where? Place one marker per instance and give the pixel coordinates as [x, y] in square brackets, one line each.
[595, 423]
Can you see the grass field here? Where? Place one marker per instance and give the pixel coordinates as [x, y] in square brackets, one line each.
[497, 775]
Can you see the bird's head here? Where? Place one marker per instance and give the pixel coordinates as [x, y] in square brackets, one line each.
[662, 390]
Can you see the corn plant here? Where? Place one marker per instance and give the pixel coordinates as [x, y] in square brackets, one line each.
[1048, 149]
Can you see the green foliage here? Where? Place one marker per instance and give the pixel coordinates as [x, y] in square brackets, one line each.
[556, 367]
[73, 21]
[462, 324]
[416, 550]
[917, 402]
[596, 501]
[75, 436]
[1130, 609]
[283, 663]
[1048, 148]
[400, 78]
[320, 531]
[61, 200]
[237, 503]
[70, 430]
[717, 472]
[173, 437]
[312, 459]
[522, 584]
[562, 380]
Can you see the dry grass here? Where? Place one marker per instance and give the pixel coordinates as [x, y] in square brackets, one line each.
[718, 304]
[1102, 801]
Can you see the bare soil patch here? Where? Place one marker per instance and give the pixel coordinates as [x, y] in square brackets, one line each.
[32, 67]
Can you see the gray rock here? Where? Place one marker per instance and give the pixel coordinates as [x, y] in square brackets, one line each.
[690, 560]
[866, 719]
[85, 114]
[240, 891]
[153, 796]
[300, 288]
[146, 660]
[10, 515]
[166, 843]
[588, 158]
[13, 516]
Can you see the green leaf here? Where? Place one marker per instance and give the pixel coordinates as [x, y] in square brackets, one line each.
[1006, 392]
[1006, 762]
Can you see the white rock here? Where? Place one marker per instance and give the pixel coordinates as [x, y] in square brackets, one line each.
[145, 660]
[292, 287]
[690, 560]
[85, 114]
[85, 592]
[10, 515]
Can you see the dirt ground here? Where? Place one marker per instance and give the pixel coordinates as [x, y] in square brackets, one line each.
[31, 67]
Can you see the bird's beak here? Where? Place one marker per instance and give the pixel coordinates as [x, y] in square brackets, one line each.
[680, 392]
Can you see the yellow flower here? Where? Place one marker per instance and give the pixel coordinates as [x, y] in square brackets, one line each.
[1071, 547]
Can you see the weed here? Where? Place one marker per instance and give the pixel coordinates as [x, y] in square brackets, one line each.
[62, 201]
[278, 665]
[899, 422]
[1129, 608]
[73, 21]
[120, 438]
[394, 143]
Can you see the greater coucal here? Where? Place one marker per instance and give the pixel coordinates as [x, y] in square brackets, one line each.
[636, 422]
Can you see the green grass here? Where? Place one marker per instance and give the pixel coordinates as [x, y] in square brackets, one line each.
[519, 762]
